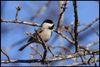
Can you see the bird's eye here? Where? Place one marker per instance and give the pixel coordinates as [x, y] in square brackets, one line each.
[51, 27]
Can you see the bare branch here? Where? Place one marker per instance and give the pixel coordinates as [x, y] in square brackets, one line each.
[76, 25]
[66, 37]
[36, 51]
[59, 24]
[22, 61]
[44, 46]
[56, 58]
[89, 25]
[20, 22]
[92, 43]
[5, 54]
[63, 47]
[18, 9]
[82, 63]
[97, 33]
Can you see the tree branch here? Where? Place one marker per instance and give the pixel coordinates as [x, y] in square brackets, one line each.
[20, 22]
[82, 63]
[44, 46]
[76, 25]
[37, 51]
[89, 25]
[18, 9]
[59, 24]
[56, 58]
[5, 54]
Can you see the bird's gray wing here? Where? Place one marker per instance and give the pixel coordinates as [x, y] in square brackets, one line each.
[35, 37]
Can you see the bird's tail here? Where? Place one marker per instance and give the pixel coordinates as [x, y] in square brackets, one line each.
[24, 46]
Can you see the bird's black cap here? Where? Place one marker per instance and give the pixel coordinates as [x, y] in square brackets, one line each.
[48, 21]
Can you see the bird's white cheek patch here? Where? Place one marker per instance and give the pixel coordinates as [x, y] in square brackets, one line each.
[47, 25]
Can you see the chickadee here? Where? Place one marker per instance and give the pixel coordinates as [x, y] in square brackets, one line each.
[45, 31]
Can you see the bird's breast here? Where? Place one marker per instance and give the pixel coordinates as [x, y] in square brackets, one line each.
[46, 34]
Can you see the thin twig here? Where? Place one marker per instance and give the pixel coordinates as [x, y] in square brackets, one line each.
[92, 43]
[18, 9]
[70, 30]
[66, 37]
[37, 51]
[50, 50]
[97, 33]
[63, 47]
[5, 54]
[89, 25]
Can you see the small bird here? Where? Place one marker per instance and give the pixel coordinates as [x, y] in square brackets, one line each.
[45, 31]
